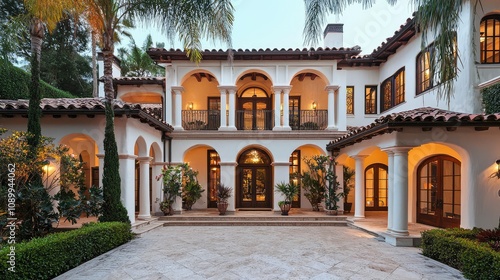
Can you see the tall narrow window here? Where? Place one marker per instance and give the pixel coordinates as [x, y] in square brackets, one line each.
[393, 90]
[489, 39]
[424, 77]
[213, 177]
[350, 100]
[294, 175]
[370, 99]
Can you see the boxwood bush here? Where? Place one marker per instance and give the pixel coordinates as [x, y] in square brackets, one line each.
[14, 84]
[47, 257]
[459, 249]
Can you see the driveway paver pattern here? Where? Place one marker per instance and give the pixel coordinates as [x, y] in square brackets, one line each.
[263, 252]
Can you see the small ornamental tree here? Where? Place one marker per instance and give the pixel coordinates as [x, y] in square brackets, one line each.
[313, 180]
[112, 208]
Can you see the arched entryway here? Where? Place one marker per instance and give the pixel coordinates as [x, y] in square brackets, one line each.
[254, 110]
[438, 191]
[376, 187]
[254, 180]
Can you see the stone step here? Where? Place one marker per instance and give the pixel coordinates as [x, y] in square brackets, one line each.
[231, 218]
[147, 228]
[143, 223]
[254, 223]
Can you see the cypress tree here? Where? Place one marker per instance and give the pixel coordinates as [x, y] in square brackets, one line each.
[34, 115]
[112, 208]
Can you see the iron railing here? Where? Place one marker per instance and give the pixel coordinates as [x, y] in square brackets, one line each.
[309, 120]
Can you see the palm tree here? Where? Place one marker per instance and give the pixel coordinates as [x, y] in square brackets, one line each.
[191, 20]
[441, 17]
[136, 62]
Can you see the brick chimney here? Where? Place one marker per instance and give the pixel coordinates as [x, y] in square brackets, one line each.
[334, 35]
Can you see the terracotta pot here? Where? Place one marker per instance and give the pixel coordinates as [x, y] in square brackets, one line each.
[222, 207]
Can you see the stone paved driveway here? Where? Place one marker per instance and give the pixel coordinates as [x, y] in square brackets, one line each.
[261, 253]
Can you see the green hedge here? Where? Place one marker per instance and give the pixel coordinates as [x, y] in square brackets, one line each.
[14, 84]
[457, 248]
[47, 257]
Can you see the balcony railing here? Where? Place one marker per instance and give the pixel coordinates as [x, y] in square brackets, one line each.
[309, 120]
[254, 119]
[201, 119]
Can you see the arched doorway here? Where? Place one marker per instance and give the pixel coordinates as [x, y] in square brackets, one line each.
[254, 110]
[254, 185]
[376, 187]
[438, 191]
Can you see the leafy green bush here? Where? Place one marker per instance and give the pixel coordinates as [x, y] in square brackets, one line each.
[14, 84]
[458, 248]
[47, 257]
[491, 99]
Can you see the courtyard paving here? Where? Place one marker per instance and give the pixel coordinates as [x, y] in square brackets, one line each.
[262, 252]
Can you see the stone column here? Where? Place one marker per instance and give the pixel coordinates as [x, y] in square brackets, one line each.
[228, 175]
[277, 109]
[400, 186]
[232, 108]
[145, 199]
[286, 108]
[359, 189]
[127, 175]
[390, 207]
[178, 107]
[223, 103]
[281, 175]
[157, 186]
[331, 107]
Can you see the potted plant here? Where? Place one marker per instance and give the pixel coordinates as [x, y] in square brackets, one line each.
[313, 181]
[191, 189]
[289, 190]
[348, 177]
[172, 184]
[223, 194]
[332, 196]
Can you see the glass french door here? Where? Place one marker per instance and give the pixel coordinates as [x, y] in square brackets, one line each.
[254, 180]
[438, 192]
[213, 164]
[376, 187]
[214, 113]
[294, 112]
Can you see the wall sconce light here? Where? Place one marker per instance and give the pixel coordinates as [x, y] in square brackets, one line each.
[496, 174]
[190, 105]
[314, 105]
[481, 37]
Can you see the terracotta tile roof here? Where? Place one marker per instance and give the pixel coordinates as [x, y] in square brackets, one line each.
[139, 80]
[148, 113]
[426, 118]
[164, 55]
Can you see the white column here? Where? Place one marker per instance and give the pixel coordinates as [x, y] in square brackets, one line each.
[223, 109]
[145, 199]
[400, 186]
[390, 207]
[127, 176]
[156, 188]
[281, 175]
[359, 189]
[232, 108]
[286, 108]
[341, 104]
[277, 109]
[169, 79]
[178, 107]
[228, 174]
[101, 168]
[331, 107]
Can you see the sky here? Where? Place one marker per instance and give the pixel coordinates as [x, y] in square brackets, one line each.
[279, 24]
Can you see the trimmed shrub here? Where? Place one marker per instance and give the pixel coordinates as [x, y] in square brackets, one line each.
[50, 256]
[458, 248]
[14, 84]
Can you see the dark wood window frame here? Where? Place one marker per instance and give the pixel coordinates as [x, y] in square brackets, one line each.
[350, 100]
[486, 38]
[371, 103]
[295, 170]
[423, 62]
[396, 87]
[211, 181]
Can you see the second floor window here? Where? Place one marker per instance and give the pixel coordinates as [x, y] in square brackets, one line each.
[350, 100]
[370, 99]
[489, 39]
[424, 75]
[393, 91]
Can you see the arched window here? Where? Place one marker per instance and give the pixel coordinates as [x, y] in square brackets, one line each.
[489, 38]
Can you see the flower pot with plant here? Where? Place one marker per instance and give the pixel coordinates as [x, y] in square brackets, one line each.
[313, 181]
[172, 184]
[191, 189]
[223, 194]
[332, 194]
[288, 190]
